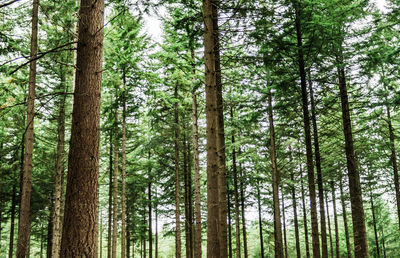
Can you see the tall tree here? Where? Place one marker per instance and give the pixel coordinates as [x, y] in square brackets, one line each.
[80, 227]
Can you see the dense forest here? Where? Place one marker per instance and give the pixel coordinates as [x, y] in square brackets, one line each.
[244, 128]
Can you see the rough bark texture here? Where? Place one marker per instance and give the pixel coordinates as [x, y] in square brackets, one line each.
[81, 208]
[319, 171]
[214, 230]
[393, 159]
[357, 209]
[236, 192]
[58, 191]
[26, 184]
[197, 194]
[115, 187]
[304, 217]
[177, 181]
[346, 227]
[337, 246]
[275, 183]
[123, 174]
[307, 133]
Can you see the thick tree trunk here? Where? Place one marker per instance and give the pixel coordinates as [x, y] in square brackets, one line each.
[284, 225]
[319, 171]
[357, 209]
[81, 208]
[394, 162]
[337, 246]
[177, 181]
[304, 217]
[26, 184]
[115, 186]
[296, 222]
[197, 195]
[242, 205]
[260, 221]
[346, 227]
[58, 191]
[329, 225]
[216, 178]
[110, 200]
[123, 172]
[307, 133]
[236, 191]
[275, 183]
[375, 230]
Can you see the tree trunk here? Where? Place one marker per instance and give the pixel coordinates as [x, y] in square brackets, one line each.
[195, 139]
[394, 162]
[296, 222]
[177, 181]
[357, 209]
[307, 133]
[150, 215]
[260, 220]
[275, 182]
[346, 227]
[58, 191]
[12, 226]
[375, 230]
[216, 181]
[236, 192]
[284, 225]
[242, 197]
[81, 208]
[115, 185]
[230, 255]
[336, 220]
[26, 186]
[329, 225]
[123, 175]
[304, 216]
[109, 238]
[319, 171]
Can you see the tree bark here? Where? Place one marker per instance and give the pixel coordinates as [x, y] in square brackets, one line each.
[123, 172]
[58, 191]
[319, 171]
[304, 216]
[26, 184]
[115, 184]
[236, 191]
[177, 181]
[329, 225]
[110, 200]
[307, 133]
[375, 230]
[336, 220]
[186, 172]
[216, 180]
[275, 182]
[197, 194]
[394, 162]
[357, 209]
[296, 222]
[346, 227]
[260, 220]
[80, 232]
